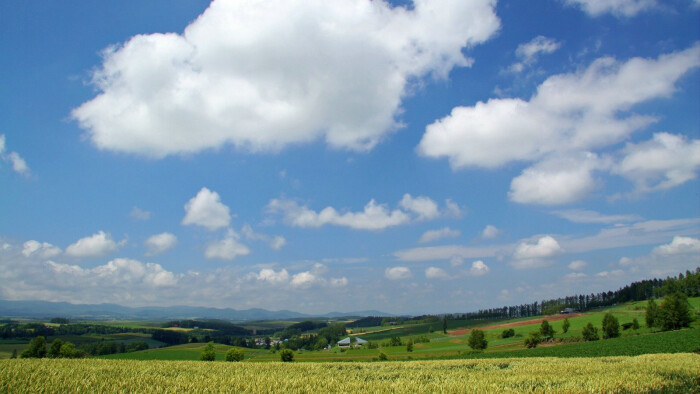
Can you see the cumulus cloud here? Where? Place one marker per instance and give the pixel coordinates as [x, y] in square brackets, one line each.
[119, 271]
[619, 8]
[435, 273]
[490, 232]
[535, 255]
[434, 235]
[275, 242]
[374, 216]
[19, 165]
[227, 248]
[478, 268]
[577, 265]
[530, 51]
[663, 162]
[42, 250]
[569, 117]
[160, 243]
[262, 75]
[398, 273]
[206, 210]
[557, 181]
[271, 276]
[587, 216]
[96, 245]
[679, 245]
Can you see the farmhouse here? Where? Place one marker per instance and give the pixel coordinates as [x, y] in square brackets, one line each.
[346, 343]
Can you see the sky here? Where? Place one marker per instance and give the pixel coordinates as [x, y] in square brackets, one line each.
[416, 157]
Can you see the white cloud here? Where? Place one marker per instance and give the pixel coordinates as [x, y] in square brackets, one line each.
[446, 252]
[556, 181]
[536, 255]
[275, 242]
[96, 245]
[456, 261]
[619, 8]
[373, 217]
[139, 214]
[434, 273]
[339, 282]
[490, 232]
[422, 206]
[479, 268]
[608, 274]
[573, 276]
[227, 248]
[398, 273]
[42, 250]
[120, 271]
[160, 243]
[271, 276]
[205, 209]
[679, 245]
[577, 265]
[19, 165]
[569, 117]
[528, 52]
[434, 235]
[661, 163]
[263, 75]
[586, 216]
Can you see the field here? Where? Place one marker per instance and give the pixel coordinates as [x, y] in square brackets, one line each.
[669, 373]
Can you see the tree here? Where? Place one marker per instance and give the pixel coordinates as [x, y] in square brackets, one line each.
[590, 333]
[68, 351]
[565, 325]
[321, 343]
[235, 354]
[533, 340]
[444, 324]
[55, 349]
[635, 324]
[208, 353]
[287, 355]
[477, 340]
[382, 356]
[611, 327]
[674, 312]
[546, 330]
[36, 349]
[651, 311]
[14, 353]
[508, 333]
[409, 345]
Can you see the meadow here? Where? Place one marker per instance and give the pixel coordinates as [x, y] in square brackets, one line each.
[648, 373]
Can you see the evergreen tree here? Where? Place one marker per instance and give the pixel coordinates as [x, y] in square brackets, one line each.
[546, 330]
[565, 325]
[208, 354]
[611, 326]
[590, 333]
[477, 340]
[674, 312]
[651, 312]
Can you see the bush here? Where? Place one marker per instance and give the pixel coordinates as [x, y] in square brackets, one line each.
[533, 340]
[565, 325]
[611, 327]
[208, 354]
[590, 333]
[508, 333]
[235, 354]
[409, 345]
[477, 340]
[546, 330]
[674, 312]
[382, 356]
[635, 324]
[287, 355]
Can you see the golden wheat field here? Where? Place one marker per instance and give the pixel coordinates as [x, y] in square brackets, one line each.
[649, 373]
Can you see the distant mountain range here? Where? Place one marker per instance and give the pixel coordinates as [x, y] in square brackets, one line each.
[45, 309]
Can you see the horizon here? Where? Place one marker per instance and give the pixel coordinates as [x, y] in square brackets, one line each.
[346, 156]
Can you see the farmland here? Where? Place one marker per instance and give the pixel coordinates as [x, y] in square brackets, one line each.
[676, 373]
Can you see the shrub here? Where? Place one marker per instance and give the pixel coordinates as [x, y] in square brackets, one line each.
[546, 330]
[508, 333]
[611, 327]
[287, 355]
[565, 325]
[590, 333]
[235, 354]
[635, 324]
[382, 356]
[208, 354]
[477, 340]
[409, 346]
[533, 340]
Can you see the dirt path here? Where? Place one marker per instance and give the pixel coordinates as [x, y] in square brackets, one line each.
[519, 323]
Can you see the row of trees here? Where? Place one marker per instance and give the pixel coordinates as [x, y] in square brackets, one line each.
[688, 284]
[58, 349]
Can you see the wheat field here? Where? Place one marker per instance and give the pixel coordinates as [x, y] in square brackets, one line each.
[649, 373]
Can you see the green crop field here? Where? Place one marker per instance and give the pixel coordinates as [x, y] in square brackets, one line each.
[650, 373]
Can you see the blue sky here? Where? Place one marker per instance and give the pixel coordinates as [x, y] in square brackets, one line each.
[412, 157]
